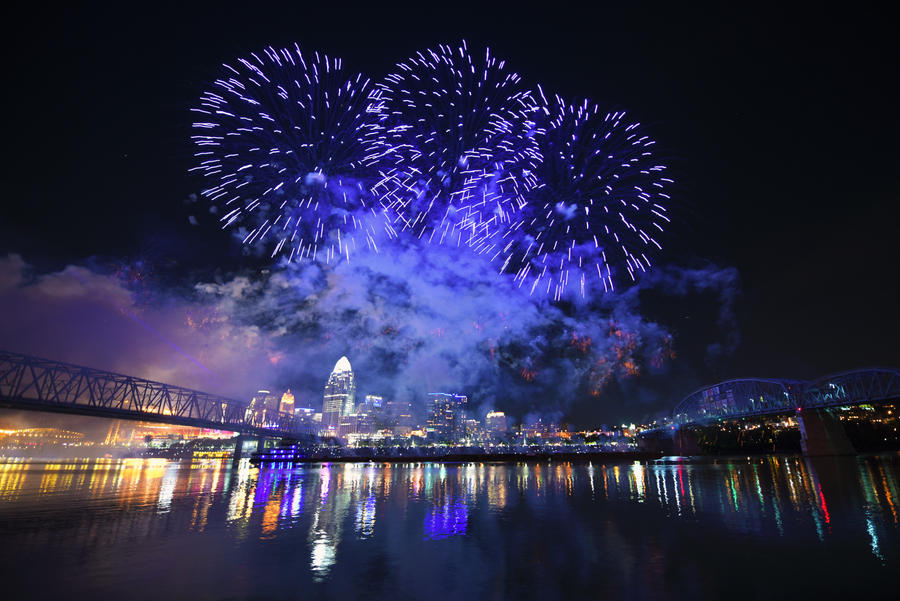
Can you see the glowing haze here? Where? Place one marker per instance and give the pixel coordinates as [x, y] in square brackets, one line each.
[413, 322]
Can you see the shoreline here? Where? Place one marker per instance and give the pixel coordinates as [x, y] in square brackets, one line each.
[268, 458]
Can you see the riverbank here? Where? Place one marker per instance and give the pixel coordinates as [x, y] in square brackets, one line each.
[288, 456]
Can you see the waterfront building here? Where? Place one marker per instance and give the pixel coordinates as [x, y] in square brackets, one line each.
[447, 416]
[37, 437]
[142, 431]
[340, 396]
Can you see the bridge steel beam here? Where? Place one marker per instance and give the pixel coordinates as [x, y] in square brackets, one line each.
[44, 385]
[738, 398]
[821, 431]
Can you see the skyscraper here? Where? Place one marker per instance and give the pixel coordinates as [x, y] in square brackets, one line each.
[340, 394]
[398, 416]
[287, 403]
[373, 405]
[447, 419]
[495, 422]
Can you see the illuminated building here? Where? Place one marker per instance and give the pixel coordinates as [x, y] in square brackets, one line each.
[112, 436]
[398, 416]
[340, 394]
[34, 437]
[356, 424]
[287, 402]
[372, 406]
[495, 422]
[263, 408]
[447, 419]
[144, 431]
[537, 428]
[306, 415]
[473, 429]
[361, 423]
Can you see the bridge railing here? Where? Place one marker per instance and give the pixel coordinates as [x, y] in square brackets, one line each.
[869, 385]
[32, 382]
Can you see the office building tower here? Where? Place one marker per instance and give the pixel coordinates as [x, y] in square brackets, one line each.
[447, 416]
[287, 402]
[495, 423]
[340, 395]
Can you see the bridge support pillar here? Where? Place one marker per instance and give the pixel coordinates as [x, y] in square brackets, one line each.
[655, 443]
[240, 449]
[821, 433]
[686, 442]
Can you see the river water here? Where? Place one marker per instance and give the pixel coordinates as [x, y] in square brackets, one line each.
[758, 528]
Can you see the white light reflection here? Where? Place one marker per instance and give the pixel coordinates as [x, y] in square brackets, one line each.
[637, 471]
[873, 535]
[167, 488]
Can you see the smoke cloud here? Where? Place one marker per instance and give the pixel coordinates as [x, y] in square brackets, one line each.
[420, 319]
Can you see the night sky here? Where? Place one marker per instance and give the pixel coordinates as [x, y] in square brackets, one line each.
[780, 126]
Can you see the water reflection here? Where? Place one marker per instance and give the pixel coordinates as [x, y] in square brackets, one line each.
[345, 512]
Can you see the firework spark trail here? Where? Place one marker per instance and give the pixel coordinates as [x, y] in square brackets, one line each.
[464, 128]
[597, 213]
[448, 149]
[287, 143]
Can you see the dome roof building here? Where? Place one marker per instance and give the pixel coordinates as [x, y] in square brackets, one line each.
[340, 395]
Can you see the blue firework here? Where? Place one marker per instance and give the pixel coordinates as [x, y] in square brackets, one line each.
[288, 144]
[595, 218]
[463, 129]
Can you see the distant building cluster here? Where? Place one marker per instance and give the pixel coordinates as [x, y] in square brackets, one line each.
[447, 419]
[374, 418]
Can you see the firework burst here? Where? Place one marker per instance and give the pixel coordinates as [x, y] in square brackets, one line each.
[464, 128]
[596, 215]
[288, 144]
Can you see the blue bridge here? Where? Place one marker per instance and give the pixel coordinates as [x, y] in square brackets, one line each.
[759, 396]
[43, 385]
[812, 402]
